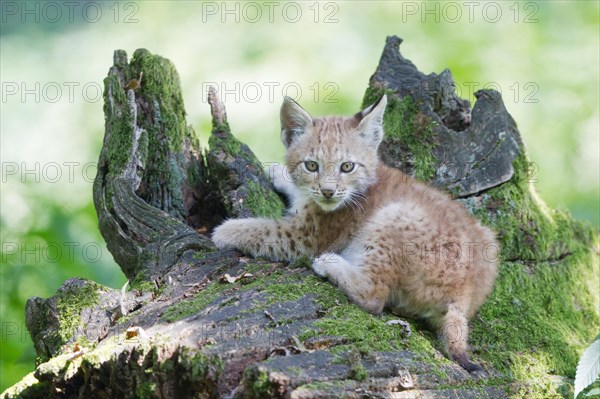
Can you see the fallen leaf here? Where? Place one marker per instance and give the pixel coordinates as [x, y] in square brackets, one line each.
[134, 83]
[226, 278]
[135, 331]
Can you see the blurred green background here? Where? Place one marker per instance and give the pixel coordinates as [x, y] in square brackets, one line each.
[542, 56]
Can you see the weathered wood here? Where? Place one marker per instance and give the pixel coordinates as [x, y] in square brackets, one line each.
[236, 176]
[149, 164]
[471, 151]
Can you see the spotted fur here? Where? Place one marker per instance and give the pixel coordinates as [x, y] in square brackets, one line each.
[382, 237]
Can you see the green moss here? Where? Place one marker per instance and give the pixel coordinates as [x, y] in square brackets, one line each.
[194, 174]
[121, 128]
[142, 282]
[407, 129]
[216, 290]
[322, 385]
[160, 86]
[69, 305]
[320, 290]
[194, 371]
[527, 229]
[357, 370]
[228, 160]
[279, 285]
[533, 370]
[159, 362]
[358, 373]
[186, 308]
[163, 133]
[146, 286]
[261, 386]
[276, 284]
[198, 367]
[257, 384]
[261, 201]
[367, 332]
[303, 262]
[222, 139]
[145, 390]
[201, 254]
[544, 311]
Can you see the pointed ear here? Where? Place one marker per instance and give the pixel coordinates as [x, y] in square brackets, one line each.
[370, 126]
[294, 121]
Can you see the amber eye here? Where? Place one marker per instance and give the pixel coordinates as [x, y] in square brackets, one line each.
[311, 166]
[347, 167]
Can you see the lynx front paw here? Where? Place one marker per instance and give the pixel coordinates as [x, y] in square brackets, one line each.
[227, 235]
[324, 263]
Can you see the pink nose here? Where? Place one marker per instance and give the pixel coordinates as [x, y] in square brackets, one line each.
[327, 193]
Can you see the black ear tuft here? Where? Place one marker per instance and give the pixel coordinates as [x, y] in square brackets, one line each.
[361, 114]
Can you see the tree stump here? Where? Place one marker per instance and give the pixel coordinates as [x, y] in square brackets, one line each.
[202, 323]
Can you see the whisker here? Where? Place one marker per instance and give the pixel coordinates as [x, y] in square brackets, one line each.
[354, 201]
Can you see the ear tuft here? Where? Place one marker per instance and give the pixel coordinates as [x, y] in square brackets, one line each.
[294, 121]
[370, 126]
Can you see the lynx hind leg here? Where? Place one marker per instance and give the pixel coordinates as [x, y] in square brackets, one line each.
[455, 335]
[353, 281]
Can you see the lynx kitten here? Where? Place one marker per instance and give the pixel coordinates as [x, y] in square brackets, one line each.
[380, 236]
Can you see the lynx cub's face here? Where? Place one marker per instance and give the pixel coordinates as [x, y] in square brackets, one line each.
[332, 160]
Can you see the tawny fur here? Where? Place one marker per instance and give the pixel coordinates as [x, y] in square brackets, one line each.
[382, 237]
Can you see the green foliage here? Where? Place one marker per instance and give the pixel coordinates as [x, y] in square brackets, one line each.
[590, 392]
[36, 269]
[588, 369]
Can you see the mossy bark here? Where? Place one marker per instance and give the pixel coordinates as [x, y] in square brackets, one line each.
[184, 330]
[148, 169]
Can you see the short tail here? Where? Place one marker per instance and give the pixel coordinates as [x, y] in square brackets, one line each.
[455, 335]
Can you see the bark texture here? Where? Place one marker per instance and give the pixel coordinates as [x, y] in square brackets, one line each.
[469, 150]
[202, 323]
